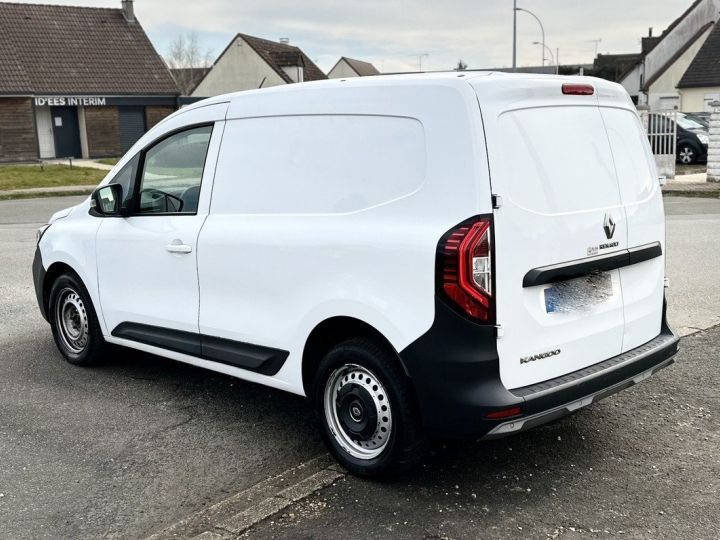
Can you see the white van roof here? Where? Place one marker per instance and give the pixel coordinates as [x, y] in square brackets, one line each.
[608, 93]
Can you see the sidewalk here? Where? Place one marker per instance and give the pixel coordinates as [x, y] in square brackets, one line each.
[89, 163]
[58, 191]
[691, 185]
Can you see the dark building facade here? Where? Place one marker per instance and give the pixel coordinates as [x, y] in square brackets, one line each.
[77, 82]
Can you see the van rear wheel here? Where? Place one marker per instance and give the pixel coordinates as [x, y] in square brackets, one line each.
[369, 419]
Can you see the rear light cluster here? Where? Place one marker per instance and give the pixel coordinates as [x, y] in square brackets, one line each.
[465, 269]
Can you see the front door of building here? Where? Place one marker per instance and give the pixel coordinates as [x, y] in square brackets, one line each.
[66, 132]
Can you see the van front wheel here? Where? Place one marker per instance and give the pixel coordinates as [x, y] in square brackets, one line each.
[369, 419]
[74, 325]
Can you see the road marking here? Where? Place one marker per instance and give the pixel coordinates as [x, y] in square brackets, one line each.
[236, 514]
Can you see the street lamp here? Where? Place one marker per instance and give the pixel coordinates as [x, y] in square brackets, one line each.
[420, 57]
[552, 57]
[542, 29]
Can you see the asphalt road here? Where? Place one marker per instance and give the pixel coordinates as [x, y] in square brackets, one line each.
[131, 447]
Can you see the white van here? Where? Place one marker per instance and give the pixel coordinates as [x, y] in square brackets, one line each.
[458, 254]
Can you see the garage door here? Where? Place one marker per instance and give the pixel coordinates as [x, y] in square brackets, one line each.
[132, 126]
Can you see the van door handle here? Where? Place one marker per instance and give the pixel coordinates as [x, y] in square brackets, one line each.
[177, 247]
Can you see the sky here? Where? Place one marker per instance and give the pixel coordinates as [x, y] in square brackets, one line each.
[392, 34]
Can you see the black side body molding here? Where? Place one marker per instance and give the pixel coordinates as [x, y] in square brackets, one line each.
[256, 358]
[582, 267]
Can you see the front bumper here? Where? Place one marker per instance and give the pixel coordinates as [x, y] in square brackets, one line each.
[38, 271]
[455, 370]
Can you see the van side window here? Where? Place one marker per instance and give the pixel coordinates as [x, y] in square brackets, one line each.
[126, 178]
[172, 172]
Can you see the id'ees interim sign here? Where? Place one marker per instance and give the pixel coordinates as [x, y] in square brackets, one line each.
[70, 101]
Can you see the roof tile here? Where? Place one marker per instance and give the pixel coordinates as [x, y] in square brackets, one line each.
[704, 70]
[46, 49]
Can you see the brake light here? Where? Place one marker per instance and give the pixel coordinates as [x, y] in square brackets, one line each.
[465, 269]
[575, 89]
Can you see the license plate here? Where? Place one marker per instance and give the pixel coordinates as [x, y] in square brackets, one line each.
[578, 294]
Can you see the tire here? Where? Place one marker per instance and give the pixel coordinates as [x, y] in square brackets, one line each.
[687, 154]
[367, 410]
[74, 323]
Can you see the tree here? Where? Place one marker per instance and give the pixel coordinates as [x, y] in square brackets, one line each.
[188, 61]
[461, 66]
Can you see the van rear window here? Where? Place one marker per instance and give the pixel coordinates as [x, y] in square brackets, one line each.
[557, 159]
[317, 164]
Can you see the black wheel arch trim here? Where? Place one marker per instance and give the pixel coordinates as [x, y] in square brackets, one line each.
[255, 358]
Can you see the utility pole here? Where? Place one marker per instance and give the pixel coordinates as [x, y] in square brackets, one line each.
[557, 60]
[420, 57]
[514, 63]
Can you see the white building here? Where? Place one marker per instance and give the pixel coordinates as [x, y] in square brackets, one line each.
[700, 84]
[349, 67]
[250, 62]
[653, 80]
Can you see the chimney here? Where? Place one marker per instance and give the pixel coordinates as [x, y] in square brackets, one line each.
[650, 32]
[284, 40]
[128, 10]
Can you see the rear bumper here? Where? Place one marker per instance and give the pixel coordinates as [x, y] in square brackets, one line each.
[455, 370]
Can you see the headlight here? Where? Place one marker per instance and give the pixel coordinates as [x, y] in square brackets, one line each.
[703, 138]
[40, 232]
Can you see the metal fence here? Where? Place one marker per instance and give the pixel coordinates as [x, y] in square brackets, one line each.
[661, 128]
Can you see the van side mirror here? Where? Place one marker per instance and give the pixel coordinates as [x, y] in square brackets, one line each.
[107, 200]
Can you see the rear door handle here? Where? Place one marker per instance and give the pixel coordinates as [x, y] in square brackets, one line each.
[178, 248]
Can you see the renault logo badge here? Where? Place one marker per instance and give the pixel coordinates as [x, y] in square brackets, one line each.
[609, 226]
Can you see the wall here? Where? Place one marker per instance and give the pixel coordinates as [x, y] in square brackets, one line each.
[154, 114]
[631, 82]
[239, 68]
[102, 131]
[666, 85]
[18, 141]
[696, 99]
[341, 70]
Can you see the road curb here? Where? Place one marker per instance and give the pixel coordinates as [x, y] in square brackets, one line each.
[706, 194]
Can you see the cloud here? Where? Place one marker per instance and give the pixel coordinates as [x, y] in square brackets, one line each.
[392, 33]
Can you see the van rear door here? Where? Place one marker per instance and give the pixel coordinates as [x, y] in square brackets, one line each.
[552, 164]
[643, 282]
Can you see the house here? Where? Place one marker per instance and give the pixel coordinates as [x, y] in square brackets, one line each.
[700, 84]
[562, 69]
[614, 67]
[664, 59]
[250, 62]
[77, 81]
[349, 67]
